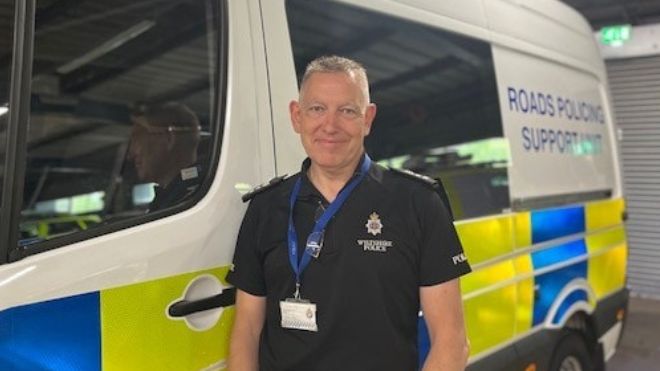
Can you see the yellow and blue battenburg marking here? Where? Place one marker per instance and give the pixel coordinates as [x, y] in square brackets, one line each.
[522, 263]
[124, 328]
[62, 334]
[549, 225]
[531, 268]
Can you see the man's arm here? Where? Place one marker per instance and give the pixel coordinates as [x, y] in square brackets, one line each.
[244, 342]
[443, 311]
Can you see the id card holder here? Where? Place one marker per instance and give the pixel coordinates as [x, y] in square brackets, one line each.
[298, 314]
[315, 244]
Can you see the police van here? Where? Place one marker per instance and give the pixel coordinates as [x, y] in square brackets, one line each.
[505, 101]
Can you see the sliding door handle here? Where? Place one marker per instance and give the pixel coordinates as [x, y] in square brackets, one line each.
[183, 308]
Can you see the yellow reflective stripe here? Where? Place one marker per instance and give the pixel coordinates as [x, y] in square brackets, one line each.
[138, 335]
[604, 239]
[485, 239]
[489, 316]
[607, 262]
[523, 229]
[603, 214]
[487, 276]
[607, 248]
[525, 293]
[607, 272]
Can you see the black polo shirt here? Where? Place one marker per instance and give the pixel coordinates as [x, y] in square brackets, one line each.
[366, 280]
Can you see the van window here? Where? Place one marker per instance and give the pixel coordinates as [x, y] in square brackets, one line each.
[122, 112]
[438, 111]
[6, 39]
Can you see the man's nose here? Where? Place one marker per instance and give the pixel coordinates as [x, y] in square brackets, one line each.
[330, 122]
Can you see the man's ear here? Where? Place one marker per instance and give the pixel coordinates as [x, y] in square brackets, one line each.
[294, 113]
[369, 116]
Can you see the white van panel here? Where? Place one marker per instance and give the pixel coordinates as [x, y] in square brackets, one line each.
[464, 17]
[614, 139]
[195, 239]
[283, 86]
[547, 25]
[557, 11]
[471, 11]
[557, 127]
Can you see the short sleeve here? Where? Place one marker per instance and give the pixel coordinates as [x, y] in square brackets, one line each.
[246, 273]
[441, 257]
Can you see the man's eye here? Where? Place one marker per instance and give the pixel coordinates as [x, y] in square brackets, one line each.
[316, 109]
[349, 112]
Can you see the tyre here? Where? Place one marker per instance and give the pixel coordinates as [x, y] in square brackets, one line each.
[571, 354]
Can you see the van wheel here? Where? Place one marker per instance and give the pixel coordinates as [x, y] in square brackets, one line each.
[571, 354]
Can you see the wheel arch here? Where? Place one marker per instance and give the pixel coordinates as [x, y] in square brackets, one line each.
[568, 314]
[577, 296]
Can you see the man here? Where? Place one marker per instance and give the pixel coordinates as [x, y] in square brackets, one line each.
[163, 148]
[331, 265]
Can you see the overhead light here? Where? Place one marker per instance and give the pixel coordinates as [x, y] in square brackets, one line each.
[3, 110]
[108, 46]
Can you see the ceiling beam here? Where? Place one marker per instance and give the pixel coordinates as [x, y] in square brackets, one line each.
[177, 27]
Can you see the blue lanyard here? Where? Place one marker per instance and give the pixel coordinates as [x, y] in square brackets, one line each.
[299, 265]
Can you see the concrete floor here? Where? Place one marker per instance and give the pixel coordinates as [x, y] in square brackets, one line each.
[639, 349]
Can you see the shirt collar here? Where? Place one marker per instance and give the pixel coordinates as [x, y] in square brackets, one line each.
[308, 190]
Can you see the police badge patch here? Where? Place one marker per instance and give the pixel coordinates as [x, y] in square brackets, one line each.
[374, 226]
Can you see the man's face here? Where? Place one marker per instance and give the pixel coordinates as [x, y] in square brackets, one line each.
[332, 118]
[149, 152]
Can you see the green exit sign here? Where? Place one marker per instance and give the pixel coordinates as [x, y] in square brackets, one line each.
[615, 35]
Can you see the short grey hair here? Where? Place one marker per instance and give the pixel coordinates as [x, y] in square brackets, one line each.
[337, 64]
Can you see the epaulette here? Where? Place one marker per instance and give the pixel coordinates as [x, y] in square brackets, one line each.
[436, 184]
[412, 175]
[263, 187]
